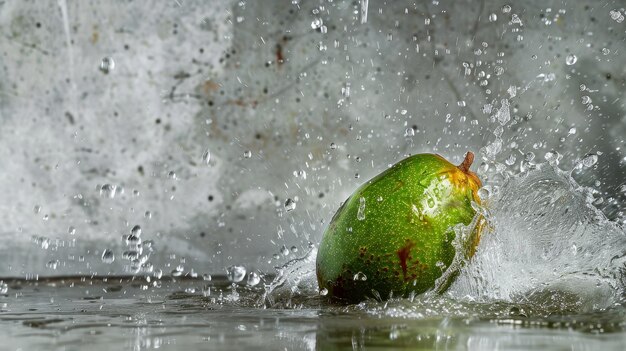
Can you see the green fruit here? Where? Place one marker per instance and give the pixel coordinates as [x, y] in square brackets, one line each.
[395, 233]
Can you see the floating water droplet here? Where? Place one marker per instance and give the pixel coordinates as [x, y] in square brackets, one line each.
[323, 292]
[131, 239]
[360, 276]
[147, 214]
[570, 59]
[108, 190]
[235, 274]
[506, 9]
[4, 287]
[333, 146]
[107, 65]
[290, 205]
[616, 15]
[207, 277]
[503, 115]
[379, 199]
[605, 51]
[585, 100]
[552, 157]
[493, 17]
[136, 231]
[483, 193]
[37, 209]
[510, 160]
[52, 264]
[316, 23]
[206, 157]
[130, 255]
[572, 131]
[247, 154]
[498, 70]
[529, 156]
[108, 256]
[357, 176]
[253, 279]
[178, 271]
[360, 215]
[284, 250]
[294, 249]
[589, 160]
[409, 132]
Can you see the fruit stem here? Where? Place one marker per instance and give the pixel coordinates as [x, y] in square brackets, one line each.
[467, 162]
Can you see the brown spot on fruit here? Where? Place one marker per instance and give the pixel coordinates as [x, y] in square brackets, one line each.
[403, 255]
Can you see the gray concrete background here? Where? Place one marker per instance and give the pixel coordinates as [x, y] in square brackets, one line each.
[283, 80]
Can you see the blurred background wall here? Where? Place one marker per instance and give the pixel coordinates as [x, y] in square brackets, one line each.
[230, 131]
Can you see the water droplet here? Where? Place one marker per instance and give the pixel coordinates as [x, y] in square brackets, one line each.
[585, 100]
[284, 250]
[498, 70]
[235, 274]
[529, 156]
[570, 59]
[147, 214]
[107, 65]
[130, 255]
[71, 230]
[206, 157]
[131, 240]
[171, 175]
[510, 160]
[589, 160]
[52, 264]
[317, 23]
[207, 277]
[108, 190]
[333, 146]
[136, 231]
[323, 292]
[379, 199]
[247, 154]
[493, 17]
[294, 249]
[552, 157]
[290, 205]
[605, 51]
[178, 271]
[360, 276]
[107, 256]
[37, 209]
[431, 202]
[483, 193]
[506, 9]
[4, 287]
[409, 132]
[253, 279]
[572, 131]
[357, 176]
[360, 215]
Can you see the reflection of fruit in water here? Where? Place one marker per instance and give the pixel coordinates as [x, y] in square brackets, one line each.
[395, 233]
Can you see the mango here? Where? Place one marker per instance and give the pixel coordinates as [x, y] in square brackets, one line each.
[395, 235]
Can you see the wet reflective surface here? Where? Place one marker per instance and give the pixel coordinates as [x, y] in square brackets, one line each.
[126, 314]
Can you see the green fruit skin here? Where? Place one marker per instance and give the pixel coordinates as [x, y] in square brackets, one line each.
[401, 240]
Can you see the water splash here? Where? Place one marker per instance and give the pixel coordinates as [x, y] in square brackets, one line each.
[546, 244]
[296, 277]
